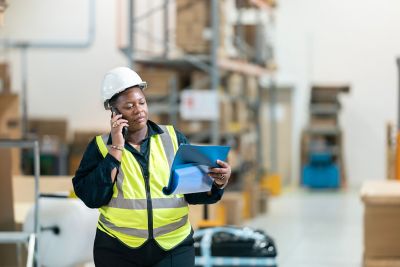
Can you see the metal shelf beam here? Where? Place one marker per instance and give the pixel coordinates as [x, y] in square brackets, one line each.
[227, 64]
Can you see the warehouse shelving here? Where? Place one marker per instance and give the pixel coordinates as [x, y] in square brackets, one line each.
[201, 62]
[324, 134]
[216, 68]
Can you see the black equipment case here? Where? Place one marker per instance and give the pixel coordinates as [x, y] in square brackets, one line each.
[234, 246]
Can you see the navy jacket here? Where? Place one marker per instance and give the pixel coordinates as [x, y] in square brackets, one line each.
[92, 182]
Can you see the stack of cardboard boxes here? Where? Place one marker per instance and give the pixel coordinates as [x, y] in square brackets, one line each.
[381, 223]
[10, 126]
[193, 26]
[10, 121]
[8, 254]
[5, 79]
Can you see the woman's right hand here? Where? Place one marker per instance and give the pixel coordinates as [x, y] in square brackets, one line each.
[117, 123]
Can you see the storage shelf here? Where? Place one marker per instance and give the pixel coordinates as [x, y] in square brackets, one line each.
[334, 150]
[234, 65]
[175, 63]
[324, 109]
[323, 130]
[261, 4]
[242, 67]
[209, 71]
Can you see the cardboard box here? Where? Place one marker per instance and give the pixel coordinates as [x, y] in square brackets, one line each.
[234, 159]
[243, 4]
[196, 213]
[248, 146]
[5, 80]
[249, 33]
[158, 80]
[8, 251]
[228, 211]
[85, 137]
[6, 193]
[233, 203]
[327, 93]
[162, 119]
[200, 80]
[382, 262]
[10, 126]
[324, 122]
[193, 32]
[381, 219]
[74, 161]
[235, 84]
[78, 147]
[241, 114]
[56, 128]
[251, 89]
[23, 186]
[192, 127]
[254, 192]
[226, 114]
[263, 204]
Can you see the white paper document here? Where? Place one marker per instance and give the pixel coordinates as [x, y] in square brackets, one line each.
[190, 168]
[192, 179]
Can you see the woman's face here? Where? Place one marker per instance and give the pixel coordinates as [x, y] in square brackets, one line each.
[133, 107]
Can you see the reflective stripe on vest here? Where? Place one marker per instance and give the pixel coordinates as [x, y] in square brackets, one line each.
[126, 216]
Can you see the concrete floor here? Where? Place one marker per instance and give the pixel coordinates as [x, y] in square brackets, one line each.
[315, 228]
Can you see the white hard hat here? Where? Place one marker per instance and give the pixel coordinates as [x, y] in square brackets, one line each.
[117, 80]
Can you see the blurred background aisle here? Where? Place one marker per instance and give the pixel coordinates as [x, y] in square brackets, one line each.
[315, 228]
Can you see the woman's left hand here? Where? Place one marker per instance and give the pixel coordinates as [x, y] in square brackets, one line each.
[221, 175]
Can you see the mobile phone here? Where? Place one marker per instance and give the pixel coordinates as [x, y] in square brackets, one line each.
[125, 128]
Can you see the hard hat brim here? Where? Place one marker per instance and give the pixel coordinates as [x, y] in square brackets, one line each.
[142, 86]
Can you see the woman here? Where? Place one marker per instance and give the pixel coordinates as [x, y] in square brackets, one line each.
[122, 174]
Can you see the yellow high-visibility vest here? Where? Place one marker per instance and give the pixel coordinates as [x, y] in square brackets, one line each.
[126, 216]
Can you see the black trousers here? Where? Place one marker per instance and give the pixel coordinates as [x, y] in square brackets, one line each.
[110, 252]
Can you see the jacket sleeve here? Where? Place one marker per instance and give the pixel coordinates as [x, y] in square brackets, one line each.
[92, 182]
[210, 197]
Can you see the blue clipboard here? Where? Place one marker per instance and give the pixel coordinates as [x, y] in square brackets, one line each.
[190, 167]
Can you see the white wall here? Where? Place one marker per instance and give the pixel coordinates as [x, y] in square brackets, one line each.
[350, 41]
[65, 83]
[344, 41]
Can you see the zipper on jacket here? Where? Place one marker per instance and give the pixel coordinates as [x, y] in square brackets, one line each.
[149, 206]
[149, 203]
